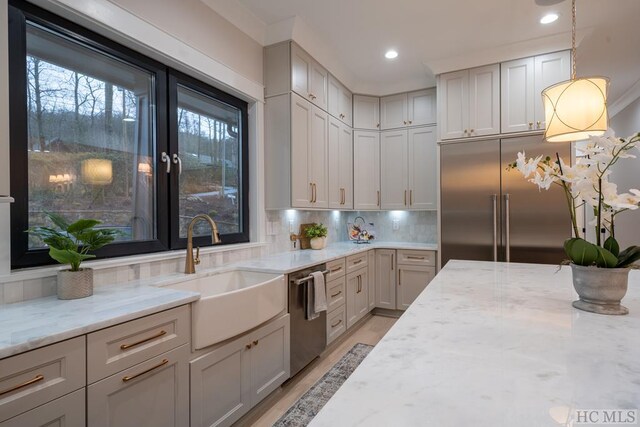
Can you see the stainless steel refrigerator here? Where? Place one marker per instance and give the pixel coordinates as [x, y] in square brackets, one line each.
[491, 214]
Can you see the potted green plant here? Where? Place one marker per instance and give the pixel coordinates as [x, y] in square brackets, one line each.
[318, 235]
[71, 244]
[600, 269]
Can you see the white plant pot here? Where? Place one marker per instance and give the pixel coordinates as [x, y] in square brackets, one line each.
[318, 242]
[600, 289]
[75, 284]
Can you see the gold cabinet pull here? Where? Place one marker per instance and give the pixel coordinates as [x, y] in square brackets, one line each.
[410, 197]
[358, 261]
[538, 123]
[415, 257]
[336, 269]
[311, 186]
[131, 377]
[248, 346]
[530, 125]
[158, 335]
[34, 380]
[335, 295]
[405, 197]
[378, 197]
[336, 324]
[256, 342]
[392, 261]
[315, 193]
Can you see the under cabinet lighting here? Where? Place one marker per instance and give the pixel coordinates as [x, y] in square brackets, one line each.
[391, 54]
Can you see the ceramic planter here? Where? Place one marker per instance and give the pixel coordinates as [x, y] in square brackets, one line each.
[75, 284]
[318, 242]
[600, 289]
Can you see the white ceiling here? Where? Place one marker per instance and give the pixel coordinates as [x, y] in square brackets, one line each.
[351, 36]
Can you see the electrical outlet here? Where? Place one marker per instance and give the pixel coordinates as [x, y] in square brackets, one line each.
[396, 225]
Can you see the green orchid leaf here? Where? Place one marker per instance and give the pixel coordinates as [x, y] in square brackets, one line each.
[612, 246]
[606, 259]
[583, 252]
[568, 244]
[628, 256]
[81, 225]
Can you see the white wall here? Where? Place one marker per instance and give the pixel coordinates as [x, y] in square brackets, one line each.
[627, 174]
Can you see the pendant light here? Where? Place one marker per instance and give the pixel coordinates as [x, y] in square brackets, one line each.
[575, 109]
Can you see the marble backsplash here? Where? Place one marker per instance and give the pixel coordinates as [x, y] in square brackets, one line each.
[419, 226]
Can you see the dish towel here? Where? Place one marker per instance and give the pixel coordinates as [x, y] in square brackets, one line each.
[316, 298]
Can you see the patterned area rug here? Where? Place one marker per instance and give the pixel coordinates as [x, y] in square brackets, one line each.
[302, 412]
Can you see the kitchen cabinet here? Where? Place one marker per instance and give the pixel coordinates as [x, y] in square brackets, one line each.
[228, 381]
[357, 302]
[67, 411]
[371, 265]
[408, 109]
[401, 276]
[336, 298]
[309, 79]
[408, 175]
[340, 165]
[340, 101]
[522, 82]
[153, 393]
[366, 112]
[366, 170]
[309, 139]
[469, 102]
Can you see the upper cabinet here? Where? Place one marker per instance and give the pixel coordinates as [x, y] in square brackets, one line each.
[408, 109]
[522, 82]
[340, 169]
[366, 170]
[309, 79]
[366, 112]
[340, 101]
[469, 102]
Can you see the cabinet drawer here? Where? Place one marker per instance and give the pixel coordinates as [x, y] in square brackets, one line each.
[412, 257]
[67, 411]
[39, 376]
[120, 347]
[336, 323]
[336, 269]
[355, 262]
[335, 293]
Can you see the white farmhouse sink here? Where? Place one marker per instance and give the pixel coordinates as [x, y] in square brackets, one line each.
[233, 302]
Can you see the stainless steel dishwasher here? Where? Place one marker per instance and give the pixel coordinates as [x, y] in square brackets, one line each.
[308, 337]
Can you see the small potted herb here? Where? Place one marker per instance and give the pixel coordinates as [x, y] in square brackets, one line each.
[71, 245]
[318, 235]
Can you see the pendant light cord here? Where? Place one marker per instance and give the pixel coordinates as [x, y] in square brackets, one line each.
[573, 40]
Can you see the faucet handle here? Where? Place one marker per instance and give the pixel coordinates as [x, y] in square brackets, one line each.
[196, 260]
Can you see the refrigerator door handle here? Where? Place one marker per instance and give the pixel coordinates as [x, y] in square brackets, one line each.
[507, 227]
[494, 198]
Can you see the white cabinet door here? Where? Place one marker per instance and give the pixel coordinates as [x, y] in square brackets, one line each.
[346, 106]
[335, 190]
[412, 280]
[423, 168]
[353, 283]
[333, 97]
[66, 411]
[300, 71]
[317, 161]
[393, 170]
[453, 99]
[366, 112]
[301, 119]
[345, 166]
[484, 100]
[366, 170]
[269, 360]
[362, 296]
[385, 279]
[371, 265]
[393, 111]
[548, 70]
[154, 393]
[421, 107]
[318, 84]
[517, 93]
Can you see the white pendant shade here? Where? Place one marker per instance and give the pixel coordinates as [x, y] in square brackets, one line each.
[576, 109]
[97, 171]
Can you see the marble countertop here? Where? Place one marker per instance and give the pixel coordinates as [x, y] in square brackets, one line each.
[494, 344]
[35, 323]
[288, 262]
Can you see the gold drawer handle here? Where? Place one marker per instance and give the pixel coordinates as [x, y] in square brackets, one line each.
[357, 262]
[337, 269]
[131, 377]
[336, 324]
[36, 379]
[158, 335]
[415, 257]
[335, 295]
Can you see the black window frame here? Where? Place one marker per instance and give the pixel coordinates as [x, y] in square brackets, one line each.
[166, 195]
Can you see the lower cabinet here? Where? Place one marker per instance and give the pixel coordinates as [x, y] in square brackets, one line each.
[371, 282]
[401, 276]
[357, 295]
[154, 393]
[227, 382]
[336, 323]
[67, 411]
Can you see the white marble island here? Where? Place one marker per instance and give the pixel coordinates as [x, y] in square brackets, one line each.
[494, 344]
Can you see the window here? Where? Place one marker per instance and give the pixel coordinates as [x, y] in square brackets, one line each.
[90, 120]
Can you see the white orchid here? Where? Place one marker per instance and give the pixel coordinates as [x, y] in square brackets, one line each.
[527, 167]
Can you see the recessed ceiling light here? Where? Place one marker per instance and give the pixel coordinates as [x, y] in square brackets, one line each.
[549, 18]
[391, 54]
